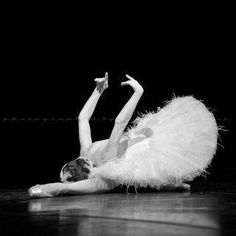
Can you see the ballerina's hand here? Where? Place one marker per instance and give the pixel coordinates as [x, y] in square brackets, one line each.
[45, 190]
[102, 83]
[134, 84]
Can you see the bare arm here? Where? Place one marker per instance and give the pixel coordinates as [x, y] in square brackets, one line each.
[86, 113]
[88, 186]
[122, 119]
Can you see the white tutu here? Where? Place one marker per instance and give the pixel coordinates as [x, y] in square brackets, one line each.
[179, 143]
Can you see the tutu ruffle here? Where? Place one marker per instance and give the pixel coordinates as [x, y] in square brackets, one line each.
[177, 144]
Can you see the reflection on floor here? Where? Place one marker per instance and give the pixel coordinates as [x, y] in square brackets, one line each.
[211, 211]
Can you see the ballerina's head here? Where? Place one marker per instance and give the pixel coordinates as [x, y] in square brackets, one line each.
[76, 170]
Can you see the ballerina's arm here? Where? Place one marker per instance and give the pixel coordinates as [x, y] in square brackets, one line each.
[88, 186]
[86, 113]
[121, 121]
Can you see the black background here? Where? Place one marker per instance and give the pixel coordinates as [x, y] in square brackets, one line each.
[50, 55]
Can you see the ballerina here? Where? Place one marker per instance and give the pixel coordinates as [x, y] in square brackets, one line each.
[162, 149]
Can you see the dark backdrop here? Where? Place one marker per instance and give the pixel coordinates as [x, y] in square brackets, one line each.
[50, 55]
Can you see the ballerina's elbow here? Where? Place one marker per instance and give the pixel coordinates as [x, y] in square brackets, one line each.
[82, 117]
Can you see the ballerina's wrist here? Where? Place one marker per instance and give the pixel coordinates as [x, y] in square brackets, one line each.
[139, 91]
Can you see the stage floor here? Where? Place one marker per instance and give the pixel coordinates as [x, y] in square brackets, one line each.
[210, 210]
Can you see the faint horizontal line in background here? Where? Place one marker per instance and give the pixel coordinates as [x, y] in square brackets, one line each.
[48, 119]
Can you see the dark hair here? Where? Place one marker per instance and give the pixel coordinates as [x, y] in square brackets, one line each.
[75, 170]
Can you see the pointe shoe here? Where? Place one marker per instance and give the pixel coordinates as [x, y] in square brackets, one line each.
[37, 192]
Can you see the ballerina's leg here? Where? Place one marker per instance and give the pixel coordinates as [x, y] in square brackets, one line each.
[181, 186]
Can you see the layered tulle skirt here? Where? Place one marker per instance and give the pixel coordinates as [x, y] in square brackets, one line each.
[177, 144]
